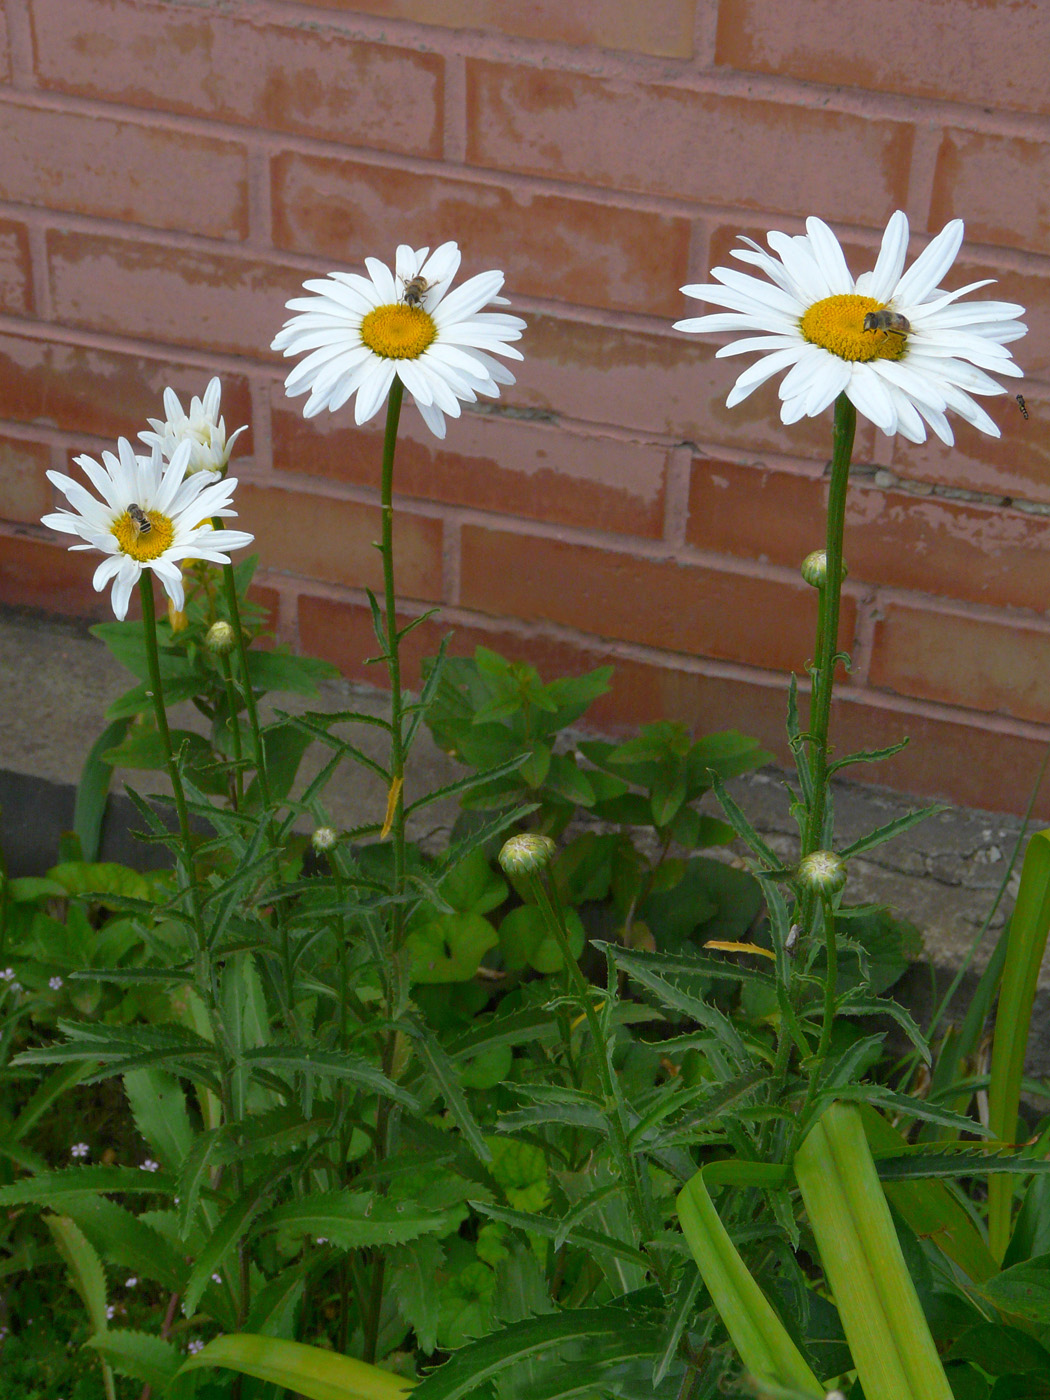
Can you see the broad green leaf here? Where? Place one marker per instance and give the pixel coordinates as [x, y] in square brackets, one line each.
[449, 947]
[83, 1181]
[1023, 1290]
[310, 1372]
[95, 880]
[593, 1241]
[414, 1268]
[93, 789]
[127, 1240]
[84, 1265]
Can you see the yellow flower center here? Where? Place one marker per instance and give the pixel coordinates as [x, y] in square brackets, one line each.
[398, 332]
[144, 544]
[837, 324]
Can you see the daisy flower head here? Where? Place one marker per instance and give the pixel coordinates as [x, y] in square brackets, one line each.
[899, 346]
[360, 332]
[151, 515]
[202, 427]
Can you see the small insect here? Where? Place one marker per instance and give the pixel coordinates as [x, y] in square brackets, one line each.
[143, 524]
[1022, 406]
[889, 322]
[792, 938]
[415, 289]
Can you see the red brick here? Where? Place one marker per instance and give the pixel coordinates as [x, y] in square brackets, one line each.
[669, 384]
[661, 27]
[998, 666]
[997, 184]
[25, 492]
[549, 246]
[958, 549]
[16, 275]
[204, 300]
[130, 171]
[332, 540]
[686, 608]
[690, 145]
[36, 573]
[956, 50]
[997, 774]
[488, 462]
[5, 57]
[304, 77]
[101, 393]
[1016, 464]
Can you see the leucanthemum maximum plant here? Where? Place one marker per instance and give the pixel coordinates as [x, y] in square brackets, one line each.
[360, 334]
[203, 427]
[148, 515]
[809, 319]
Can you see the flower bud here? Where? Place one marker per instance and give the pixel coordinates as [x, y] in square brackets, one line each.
[822, 872]
[220, 639]
[324, 838]
[527, 854]
[815, 568]
[177, 619]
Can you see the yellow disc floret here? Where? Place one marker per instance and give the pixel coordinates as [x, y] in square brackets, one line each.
[398, 332]
[144, 545]
[837, 324]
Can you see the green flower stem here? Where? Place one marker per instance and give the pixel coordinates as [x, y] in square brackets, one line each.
[831, 978]
[638, 1201]
[235, 731]
[395, 819]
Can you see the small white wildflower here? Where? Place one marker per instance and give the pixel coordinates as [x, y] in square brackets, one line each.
[194, 1346]
[131, 1282]
[55, 983]
[80, 1149]
[216, 1278]
[8, 975]
[149, 1165]
[322, 1239]
[111, 1311]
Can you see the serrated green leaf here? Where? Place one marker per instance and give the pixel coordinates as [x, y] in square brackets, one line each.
[140, 1355]
[127, 1240]
[307, 1371]
[83, 1181]
[158, 1106]
[414, 1267]
[355, 1219]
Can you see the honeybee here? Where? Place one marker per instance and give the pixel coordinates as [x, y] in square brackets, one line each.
[1022, 406]
[143, 524]
[889, 322]
[415, 289]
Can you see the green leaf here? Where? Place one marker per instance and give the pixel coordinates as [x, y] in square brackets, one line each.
[83, 1181]
[1023, 1290]
[310, 1372]
[93, 789]
[449, 947]
[891, 829]
[84, 1265]
[480, 1361]
[330, 1063]
[441, 1068]
[140, 1355]
[97, 879]
[1026, 945]
[525, 941]
[125, 1239]
[219, 1243]
[587, 1239]
[159, 1109]
[472, 886]
[281, 670]
[355, 1219]
[414, 1268]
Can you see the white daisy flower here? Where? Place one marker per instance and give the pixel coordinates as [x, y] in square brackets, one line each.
[202, 428]
[896, 345]
[362, 331]
[151, 516]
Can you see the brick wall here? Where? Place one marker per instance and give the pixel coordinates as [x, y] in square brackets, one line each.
[170, 171]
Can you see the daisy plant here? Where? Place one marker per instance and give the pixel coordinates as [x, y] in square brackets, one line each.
[900, 349]
[369, 338]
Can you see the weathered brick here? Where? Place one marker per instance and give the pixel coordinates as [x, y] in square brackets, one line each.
[996, 183]
[662, 27]
[929, 544]
[668, 384]
[203, 300]
[16, 275]
[687, 608]
[988, 55]
[998, 666]
[25, 492]
[36, 573]
[550, 246]
[333, 541]
[304, 77]
[1014, 465]
[5, 56]
[487, 462]
[690, 145]
[126, 170]
[79, 389]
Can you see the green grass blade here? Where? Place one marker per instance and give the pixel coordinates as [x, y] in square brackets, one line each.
[1026, 945]
[888, 1335]
[758, 1334]
[306, 1371]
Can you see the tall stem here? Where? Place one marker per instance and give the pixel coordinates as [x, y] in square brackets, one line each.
[395, 823]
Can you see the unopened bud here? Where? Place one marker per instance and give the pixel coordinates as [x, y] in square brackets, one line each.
[324, 838]
[220, 638]
[177, 619]
[815, 568]
[822, 872]
[526, 854]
